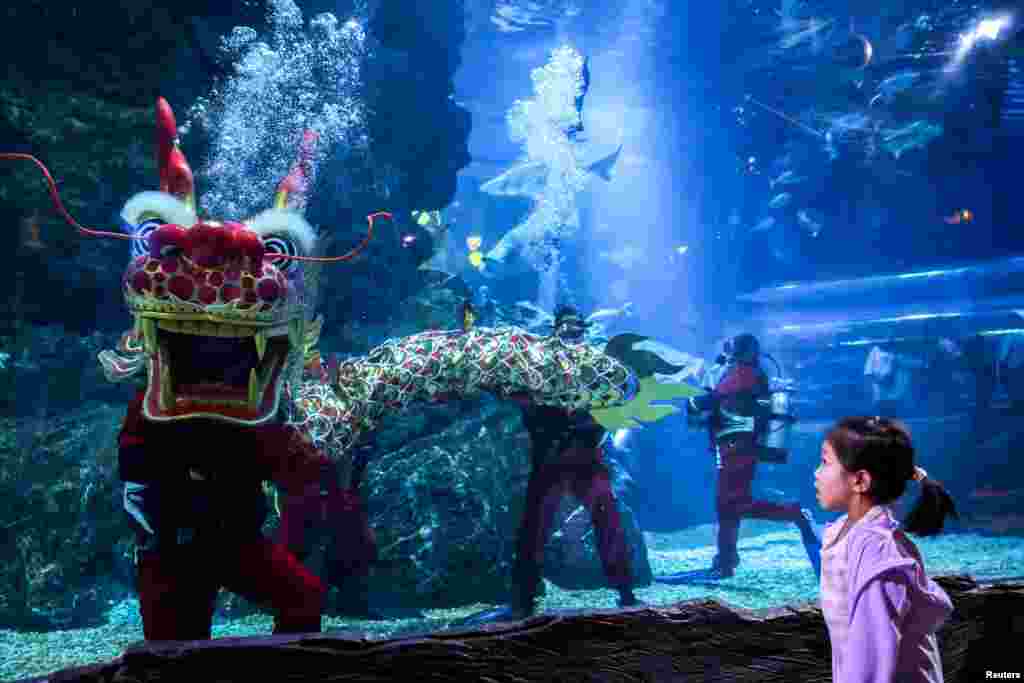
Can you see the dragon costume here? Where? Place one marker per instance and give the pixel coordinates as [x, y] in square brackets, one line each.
[235, 392]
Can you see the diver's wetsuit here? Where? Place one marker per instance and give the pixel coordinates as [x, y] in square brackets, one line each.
[734, 433]
[193, 491]
[324, 506]
[567, 458]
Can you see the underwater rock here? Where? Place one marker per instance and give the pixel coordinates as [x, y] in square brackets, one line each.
[420, 52]
[571, 560]
[695, 641]
[445, 496]
[64, 551]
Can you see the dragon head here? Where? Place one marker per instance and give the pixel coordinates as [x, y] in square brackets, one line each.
[218, 319]
[220, 306]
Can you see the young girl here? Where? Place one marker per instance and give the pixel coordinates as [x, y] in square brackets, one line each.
[880, 607]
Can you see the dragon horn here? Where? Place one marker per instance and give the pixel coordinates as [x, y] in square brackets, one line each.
[175, 174]
[293, 190]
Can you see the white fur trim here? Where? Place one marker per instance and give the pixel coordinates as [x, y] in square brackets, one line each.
[284, 221]
[167, 206]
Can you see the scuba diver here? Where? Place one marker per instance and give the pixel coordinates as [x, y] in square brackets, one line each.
[737, 423]
[566, 458]
[198, 521]
[325, 509]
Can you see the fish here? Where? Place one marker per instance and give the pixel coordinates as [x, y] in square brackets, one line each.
[428, 238]
[603, 168]
[780, 200]
[552, 178]
[787, 178]
[961, 216]
[807, 220]
[764, 225]
[523, 180]
[610, 313]
[530, 179]
[894, 85]
[476, 259]
[534, 244]
[917, 134]
[473, 242]
[796, 31]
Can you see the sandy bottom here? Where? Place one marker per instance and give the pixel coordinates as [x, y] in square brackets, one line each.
[773, 571]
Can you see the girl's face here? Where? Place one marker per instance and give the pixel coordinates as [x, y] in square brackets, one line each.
[832, 483]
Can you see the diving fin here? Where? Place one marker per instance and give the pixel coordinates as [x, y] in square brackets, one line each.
[698, 577]
[490, 616]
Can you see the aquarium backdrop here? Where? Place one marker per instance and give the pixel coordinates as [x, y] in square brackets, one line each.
[839, 179]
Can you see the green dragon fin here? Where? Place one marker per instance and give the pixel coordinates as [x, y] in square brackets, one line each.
[639, 411]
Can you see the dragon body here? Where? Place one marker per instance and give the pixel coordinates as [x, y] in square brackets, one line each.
[223, 328]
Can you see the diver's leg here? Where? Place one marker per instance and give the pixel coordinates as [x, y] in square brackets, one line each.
[733, 492]
[176, 594]
[592, 486]
[265, 572]
[731, 489]
[543, 495]
[351, 552]
[744, 505]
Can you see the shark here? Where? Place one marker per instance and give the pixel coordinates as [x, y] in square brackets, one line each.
[534, 243]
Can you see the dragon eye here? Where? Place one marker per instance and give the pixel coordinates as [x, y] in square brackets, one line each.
[282, 244]
[144, 229]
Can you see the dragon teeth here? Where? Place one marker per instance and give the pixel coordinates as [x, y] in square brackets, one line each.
[166, 390]
[254, 389]
[149, 334]
[261, 343]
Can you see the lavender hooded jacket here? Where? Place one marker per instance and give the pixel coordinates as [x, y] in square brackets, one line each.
[894, 608]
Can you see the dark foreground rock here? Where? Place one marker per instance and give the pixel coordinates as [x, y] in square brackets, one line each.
[693, 642]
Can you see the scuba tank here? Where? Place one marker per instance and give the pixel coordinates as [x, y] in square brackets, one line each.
[773, 441]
